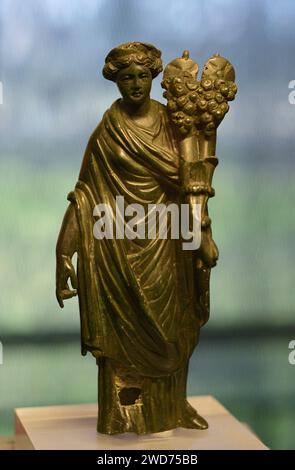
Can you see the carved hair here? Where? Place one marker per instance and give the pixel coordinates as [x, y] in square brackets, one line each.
[132, 52]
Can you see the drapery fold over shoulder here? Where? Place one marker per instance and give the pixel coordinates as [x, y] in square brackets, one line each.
[137, 301]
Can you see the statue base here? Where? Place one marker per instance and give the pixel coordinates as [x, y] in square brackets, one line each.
[73, 427]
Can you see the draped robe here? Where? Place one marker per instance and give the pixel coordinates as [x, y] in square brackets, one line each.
[137, 298]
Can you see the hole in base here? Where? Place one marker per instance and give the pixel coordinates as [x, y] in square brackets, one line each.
[128, 396]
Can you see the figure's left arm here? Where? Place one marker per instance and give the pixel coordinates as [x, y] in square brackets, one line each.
[201, 172]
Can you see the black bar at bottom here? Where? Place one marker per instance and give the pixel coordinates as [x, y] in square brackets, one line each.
[133, 459]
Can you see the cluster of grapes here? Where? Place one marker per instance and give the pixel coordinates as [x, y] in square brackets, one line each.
[202, 104]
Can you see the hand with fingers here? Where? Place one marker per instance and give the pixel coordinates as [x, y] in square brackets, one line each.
[65, 271]
[207, 255]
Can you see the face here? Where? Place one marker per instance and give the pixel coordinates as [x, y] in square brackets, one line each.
[134, 83]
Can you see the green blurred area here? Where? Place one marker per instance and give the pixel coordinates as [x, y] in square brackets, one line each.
[252, 285]
[252, 226]
[252, 378]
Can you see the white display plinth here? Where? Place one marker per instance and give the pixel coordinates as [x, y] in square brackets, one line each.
[74, 427]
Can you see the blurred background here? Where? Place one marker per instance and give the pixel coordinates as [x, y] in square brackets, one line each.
[52, 53]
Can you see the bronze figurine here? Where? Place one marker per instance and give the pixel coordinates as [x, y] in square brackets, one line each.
[143, 299]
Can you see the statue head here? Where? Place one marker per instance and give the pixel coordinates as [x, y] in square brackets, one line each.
[132, 52]
[133, 66]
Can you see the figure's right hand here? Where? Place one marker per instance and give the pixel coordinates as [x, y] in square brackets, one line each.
[65, 271]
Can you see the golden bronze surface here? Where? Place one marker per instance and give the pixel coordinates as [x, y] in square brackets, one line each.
[143, 300]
